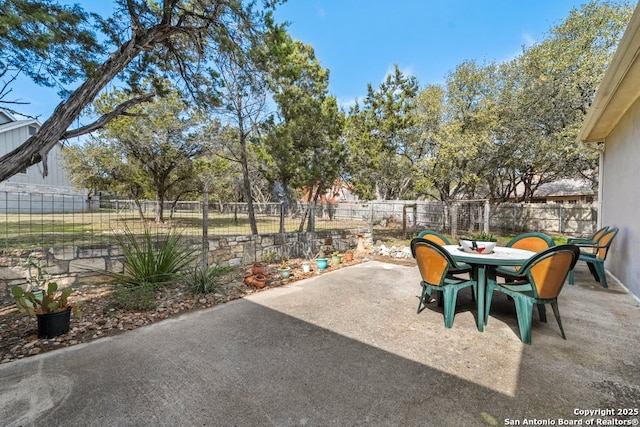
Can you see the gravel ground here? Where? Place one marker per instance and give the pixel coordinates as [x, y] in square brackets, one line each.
[18, 332]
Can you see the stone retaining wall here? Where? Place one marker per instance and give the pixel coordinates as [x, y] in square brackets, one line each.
[80, 265]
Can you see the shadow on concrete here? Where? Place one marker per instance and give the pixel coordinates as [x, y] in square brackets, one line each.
[343, 348]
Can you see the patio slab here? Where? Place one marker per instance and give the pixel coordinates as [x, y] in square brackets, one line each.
[343, 348]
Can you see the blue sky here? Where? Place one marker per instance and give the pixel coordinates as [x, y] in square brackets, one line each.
[360, 40]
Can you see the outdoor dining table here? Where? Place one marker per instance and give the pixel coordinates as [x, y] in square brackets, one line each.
[483, 263]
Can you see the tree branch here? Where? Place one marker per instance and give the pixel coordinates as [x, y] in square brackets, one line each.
[102, 121]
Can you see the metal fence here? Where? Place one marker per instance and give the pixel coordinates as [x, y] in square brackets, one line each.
[32, 221]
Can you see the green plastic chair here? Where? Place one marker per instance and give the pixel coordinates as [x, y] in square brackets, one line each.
[595, 260]
[434, 236]
[534, 242]
[591, 240]
[435, 264]
[540, 282]
[442, 240]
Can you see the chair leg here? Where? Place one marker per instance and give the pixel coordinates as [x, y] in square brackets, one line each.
[599, 267]
[524, 311]
[450, 295]
[571, 277]
[594, 271]
[542, 312]
[422, 304]
[556, 312]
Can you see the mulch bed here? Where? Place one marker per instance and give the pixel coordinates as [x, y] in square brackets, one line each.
[18, 332]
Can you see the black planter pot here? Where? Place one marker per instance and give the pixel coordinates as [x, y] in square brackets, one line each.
[53, 324]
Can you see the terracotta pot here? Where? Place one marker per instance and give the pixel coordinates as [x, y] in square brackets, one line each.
[347, 257]
[257, 269]
[259, 280]
[248, 279]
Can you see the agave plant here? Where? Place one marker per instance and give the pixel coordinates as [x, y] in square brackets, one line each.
[150, 262]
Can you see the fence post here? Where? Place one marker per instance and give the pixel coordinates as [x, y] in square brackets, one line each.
[454, 220]
[205, 226]
[487, 211]
[560, 215]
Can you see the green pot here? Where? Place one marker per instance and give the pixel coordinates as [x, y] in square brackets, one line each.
[322, 263]
[284, 272]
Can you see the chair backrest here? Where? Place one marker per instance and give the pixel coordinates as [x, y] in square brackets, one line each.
[598, 234]
[432, 259]
[534, 242]
[604, 243]
[434, 236]
[548, 270]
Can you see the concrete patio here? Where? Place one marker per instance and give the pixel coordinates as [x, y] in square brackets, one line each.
[344, 348]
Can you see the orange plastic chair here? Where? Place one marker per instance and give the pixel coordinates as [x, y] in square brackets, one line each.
[435, 265]
[595, 257]
[540, 282]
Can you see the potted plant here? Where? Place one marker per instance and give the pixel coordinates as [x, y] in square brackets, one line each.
[482, 243]
[336, 258]
[306, 266]
[321, 261]
[53, 311]
[34, 278]
[284, 269]
[348, 255]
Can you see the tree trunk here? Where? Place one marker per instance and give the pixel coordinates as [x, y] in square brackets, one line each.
[36, 148]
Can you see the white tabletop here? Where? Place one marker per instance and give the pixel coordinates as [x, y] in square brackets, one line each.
[499, 256]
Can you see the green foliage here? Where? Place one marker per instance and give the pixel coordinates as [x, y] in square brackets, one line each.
[136, 298]
[207, 280]
[381, 138]
[51, 301]
[149, 154]
[269, 256]
[152, 263]
[144, 44]
[483, 237]
[302, 144]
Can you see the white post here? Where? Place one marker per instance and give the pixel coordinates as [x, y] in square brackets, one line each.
[487, 209]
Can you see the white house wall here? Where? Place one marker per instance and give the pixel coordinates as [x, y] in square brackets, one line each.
[56, 176]
[30, 192]
[621, 198]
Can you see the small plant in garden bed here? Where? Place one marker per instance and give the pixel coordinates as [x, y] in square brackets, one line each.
[148, 266]
[52, 301]
[206, 280]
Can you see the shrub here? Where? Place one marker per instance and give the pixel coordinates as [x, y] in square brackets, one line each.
[138, 298]
[206, 280]
[152, 263]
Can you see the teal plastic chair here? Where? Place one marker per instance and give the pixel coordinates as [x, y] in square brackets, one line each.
[540, 281]
[534, 242]
[434, 236]
[595, 255]
[435, 264]
[591, 240]
[442, 240]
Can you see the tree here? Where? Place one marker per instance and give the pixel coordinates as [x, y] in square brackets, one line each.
[55, 44]
[243, 95]
[303, 140]
[156, 148]
[547, 92]
[380, 136]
